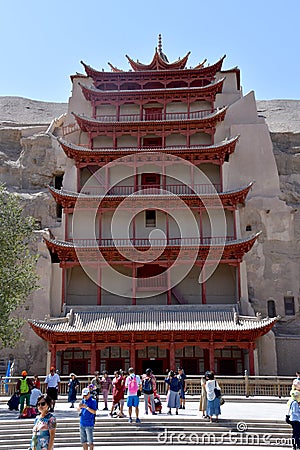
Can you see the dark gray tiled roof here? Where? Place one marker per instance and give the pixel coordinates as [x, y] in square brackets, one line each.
[154, 318]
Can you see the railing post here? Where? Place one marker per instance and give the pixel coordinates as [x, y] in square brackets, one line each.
[278, 388]
[247, 390]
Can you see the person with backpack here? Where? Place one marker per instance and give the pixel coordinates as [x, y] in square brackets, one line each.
[173, 398]
[24, 386]
[148, 388]
[133, 385]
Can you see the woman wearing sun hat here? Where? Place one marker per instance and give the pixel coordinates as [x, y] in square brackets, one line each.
[73, 387]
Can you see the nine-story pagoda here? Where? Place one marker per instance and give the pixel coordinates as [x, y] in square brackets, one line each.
[147, 266]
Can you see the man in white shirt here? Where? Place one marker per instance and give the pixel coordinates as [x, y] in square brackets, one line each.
[52, 381]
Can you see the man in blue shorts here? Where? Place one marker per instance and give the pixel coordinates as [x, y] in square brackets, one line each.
[87, 407]
[133, 384]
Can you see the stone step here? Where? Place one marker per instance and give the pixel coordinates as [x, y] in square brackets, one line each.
[149, 432]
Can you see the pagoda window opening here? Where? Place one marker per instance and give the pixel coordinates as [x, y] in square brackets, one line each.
[154, 85]
[193, 359]
[58, 181]
[200, 83]
[150, 180]
[152, 142]
[248, 228]
[177, 84]
[271, 308]
[130, 87]
[150, 218]
[289, 305]
[107, 87]
[153, 113]
[75, 360]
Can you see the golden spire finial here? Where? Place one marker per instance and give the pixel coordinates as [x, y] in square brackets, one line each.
[159, 44]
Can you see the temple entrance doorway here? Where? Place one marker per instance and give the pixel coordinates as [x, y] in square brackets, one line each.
[154, 357]
[227, 367]
[155, 365]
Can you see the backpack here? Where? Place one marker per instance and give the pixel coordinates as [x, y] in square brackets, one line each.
[147, 386]
[132, 385]
[24, 387]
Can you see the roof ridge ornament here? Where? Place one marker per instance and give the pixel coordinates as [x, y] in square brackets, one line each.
[159, 44]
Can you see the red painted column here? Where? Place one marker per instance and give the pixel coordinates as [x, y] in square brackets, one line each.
[100, 227]
[99, 273]
[211, 356]
[141, 111]
[200, 225]
[234, 224]
[251, 358]
[93, 358]
[133, 301]
[203, 286]
[63, 287]
[78, 180]
[136, 179]
[221, 178]
[132, 355]
[188, 140]
[168, 288]
[66, 215]
[53, 355]
[192, 176]
[172, 355]
[238, 275]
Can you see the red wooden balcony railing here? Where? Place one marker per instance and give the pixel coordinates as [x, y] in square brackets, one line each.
[145, 242]
[154, 283]
[176, 189]
[155, 116]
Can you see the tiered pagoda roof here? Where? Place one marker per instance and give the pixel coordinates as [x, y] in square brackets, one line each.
[229, 199]
[196, 153]
[117, 76]
[88, 250]
[207, 92]
[205, 123]
[197, 323]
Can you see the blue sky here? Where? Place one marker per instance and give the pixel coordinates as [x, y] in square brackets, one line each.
[42, 41]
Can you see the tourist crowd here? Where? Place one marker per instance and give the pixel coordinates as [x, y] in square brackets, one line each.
[123, 384]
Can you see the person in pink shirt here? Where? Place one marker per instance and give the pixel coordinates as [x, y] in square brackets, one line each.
[133, 384]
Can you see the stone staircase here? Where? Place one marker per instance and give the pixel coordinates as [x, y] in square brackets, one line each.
[16, 434]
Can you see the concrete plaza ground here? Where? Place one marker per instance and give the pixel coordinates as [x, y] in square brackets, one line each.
[235, 409]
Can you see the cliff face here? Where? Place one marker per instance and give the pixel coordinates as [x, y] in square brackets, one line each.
[30, 159]
[283, 119]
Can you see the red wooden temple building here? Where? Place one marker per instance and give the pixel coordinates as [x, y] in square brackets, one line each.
[148, 265]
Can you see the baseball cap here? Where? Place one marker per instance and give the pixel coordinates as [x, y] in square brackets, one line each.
[24, 373]
[85, 391]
